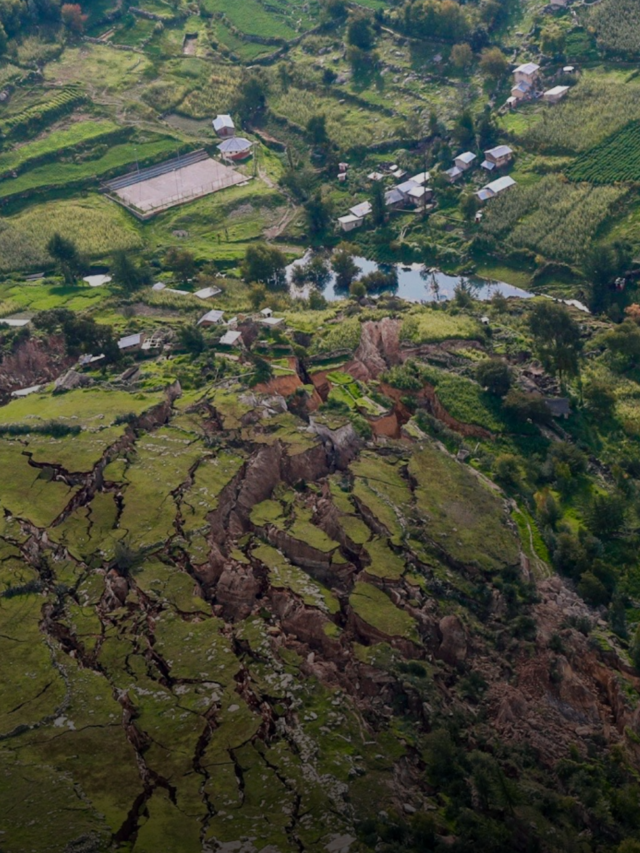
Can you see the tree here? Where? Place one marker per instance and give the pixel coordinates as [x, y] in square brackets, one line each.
[493, 63]
[599, 398]
[623, 342]
[66, 255]
[257, 296]
[344, 266]
[507, 470]
[317, 130]
[557, 338]
[494, 375]
[126, 274]
[266, 265]
[378, 206]
[605, 263]
[181, 262]
[82, 335]
[262, 371]
[553, 39]
[72, 18]
[606, 515]
[462, 55]
[318, 213]
[464, 130]
[357, 289]
[336, 9]
[191, 339]
[486, 129]
[251, 98]
[360, 33]
[469, 205]
[526, 407]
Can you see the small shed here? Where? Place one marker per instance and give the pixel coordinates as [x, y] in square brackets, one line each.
[272, 322]
[211, 318]
[420, 195]
[13, 322]
[552, 96]
[375, 176]
[159, 286]
[465, 161]
[361, 210]
[350, 222]
[224, 126]
[231, 339]
[207, 292]
[131, 342]
[521, 91]
[453, 174]
[267, 312]
[495, 188]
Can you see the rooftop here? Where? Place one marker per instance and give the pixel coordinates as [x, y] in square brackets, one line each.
[211, 317]
[362, 209]
[467, 157]
[235, 145]
[527, 68]
[130, 341]
[499, 151]
[223, 121]
[230, 338]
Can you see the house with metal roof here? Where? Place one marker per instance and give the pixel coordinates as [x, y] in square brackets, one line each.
[465, 160]
[224, 126]
[453, 174]
[350, 222]
[131, 342]
[497, 158]
[235, 148]
[557, 93]
[363, 209]
[207, 292]
[495, 188]
[211, 318]
[527, 73]
[231, 339]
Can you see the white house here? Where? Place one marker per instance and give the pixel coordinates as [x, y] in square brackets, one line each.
[527, 73]
[350, 222]
[552, 96]
[495, 188]
[363, 209]
[394, 198]
[421, 179]
[131, 342]
[272, 322]
[231, 339]
[521, 91]
[267, 312]
[453, 174]
[13, 322]
[207, 292]
[211, 318]
[496, 158]
[465, 161]
[419, 196]
[224, 126]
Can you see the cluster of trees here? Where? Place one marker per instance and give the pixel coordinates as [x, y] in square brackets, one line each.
[82, 335]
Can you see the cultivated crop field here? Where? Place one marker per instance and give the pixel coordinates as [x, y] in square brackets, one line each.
[615, 159]
[617, 26]
[553, 218]
[599, 105]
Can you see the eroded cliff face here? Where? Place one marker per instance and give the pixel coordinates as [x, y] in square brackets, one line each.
[225, 638]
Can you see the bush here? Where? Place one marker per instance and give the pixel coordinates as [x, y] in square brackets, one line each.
[494, 375]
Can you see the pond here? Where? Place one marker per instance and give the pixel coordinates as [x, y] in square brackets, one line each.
[412, 282]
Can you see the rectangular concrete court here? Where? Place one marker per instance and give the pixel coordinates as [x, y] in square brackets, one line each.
[180, 185]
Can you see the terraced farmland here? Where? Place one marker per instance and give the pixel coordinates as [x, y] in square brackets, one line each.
[617, 159]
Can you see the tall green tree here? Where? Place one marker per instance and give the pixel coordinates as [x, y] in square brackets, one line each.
[128, 275]
[378, 206]
[266, 265]
[557, 338]
[67, 257]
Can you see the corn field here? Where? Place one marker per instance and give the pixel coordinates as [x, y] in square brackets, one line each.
[552, 218]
